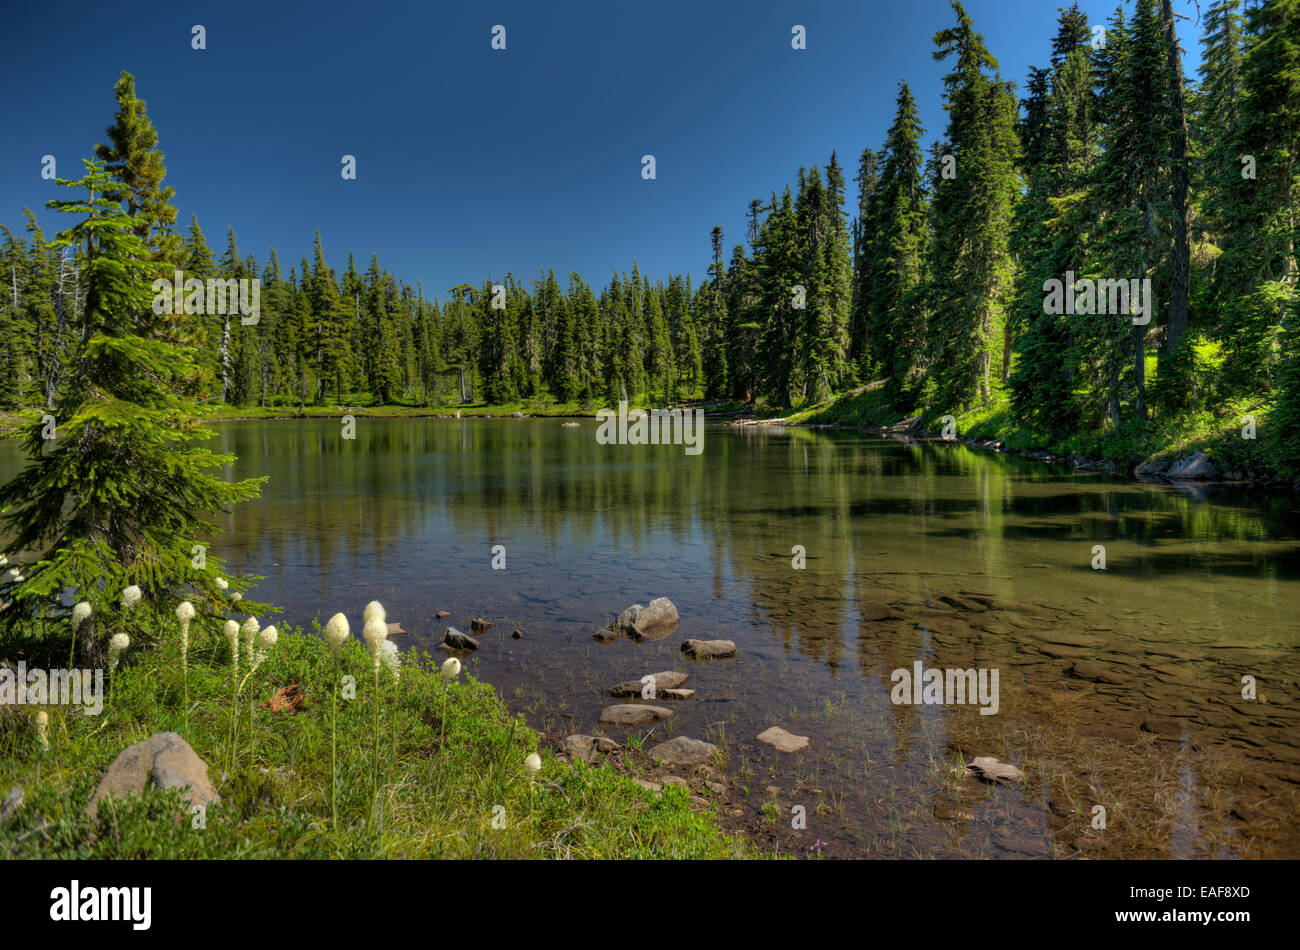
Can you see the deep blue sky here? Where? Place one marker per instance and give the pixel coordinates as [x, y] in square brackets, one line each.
[473, 161]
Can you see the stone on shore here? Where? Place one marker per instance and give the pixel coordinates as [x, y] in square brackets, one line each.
[166, 760]
[991, 770]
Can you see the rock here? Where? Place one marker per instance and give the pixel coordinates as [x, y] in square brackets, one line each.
[949, 626]
[569, 425]
[709, 649]
[13, 801]
[628, 714]
[455, 640]
[1085, 670]
[443, 614]
[676, 780]
[783, 741]
[517, 634]
[1149, 468]
[1070, 639]
[991, 770]
[579, 747]
[676, 693]
[663, 681]
[516, 415]
[395, 630]
[478, 626]
[878, 613]
[719, 788]
[683, 751]
[604, 744]
[164, 759]
[649, 786]
[1194, 466]
[1161, 726]
[605, 636]
[964, 603]
[652, 622]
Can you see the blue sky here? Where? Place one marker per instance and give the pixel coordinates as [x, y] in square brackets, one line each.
[472, 161]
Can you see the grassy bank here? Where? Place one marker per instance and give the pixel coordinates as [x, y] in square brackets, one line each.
[449, 766]
[1218, 434]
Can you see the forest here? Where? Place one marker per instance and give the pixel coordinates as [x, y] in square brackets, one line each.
[1107, 163]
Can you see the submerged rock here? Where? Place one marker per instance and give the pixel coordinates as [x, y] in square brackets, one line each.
[683, 751]
[628, 714]
[709, 649]
[478, 626]
[1085, 670]
[164, 759]
[783, 741]
[991, 770]
[443, 614]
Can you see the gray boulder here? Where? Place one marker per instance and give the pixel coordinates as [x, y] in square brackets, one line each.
[1193, 467]
[628, 715]
[652, 622]
[455, 640]
[164, 759]
[709, 649]
[683, 751]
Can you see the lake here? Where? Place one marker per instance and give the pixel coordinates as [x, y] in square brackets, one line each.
[1119, 689]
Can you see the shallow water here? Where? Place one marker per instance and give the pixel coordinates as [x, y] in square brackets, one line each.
[1196, 594]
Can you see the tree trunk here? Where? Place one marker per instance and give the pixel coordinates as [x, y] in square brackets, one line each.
[1180, 263]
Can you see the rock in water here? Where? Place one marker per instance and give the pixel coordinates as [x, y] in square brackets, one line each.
[455, 640]
[1095, 672]
[783, 741]
[628, 714]
[991, 770]
[709, 649]
[683, 751]
[667, 680]
[164, 759]
[443, 614]
[652, 622]
[478, 626]
[395, 630]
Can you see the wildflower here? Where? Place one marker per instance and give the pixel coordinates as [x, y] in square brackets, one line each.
[116, 644]
[14, 575]
[451, 668]
[268, 637]
[336, 632]
[80, 614]
[231, 632]
[3, 560]
[375, 633]
[222, 583]
[374, 611]
[130, 597]
[249, 632]
[236, 596]
[43, 729]
[184, 613]
[533, 763]
[388, 656]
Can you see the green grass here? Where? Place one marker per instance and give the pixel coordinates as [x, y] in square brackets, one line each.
[451, 760]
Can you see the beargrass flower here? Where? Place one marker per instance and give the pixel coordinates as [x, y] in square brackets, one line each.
[43, 729]
[374, 611]
[389, 657]
[375, 633]
[451, 668]
[533, 763]
[267, 638]
[3, 560]
[222, 583]
[130, 596]
[80, 613]
[231, 632]
[116, 644]
[236, 596]
[336, 633]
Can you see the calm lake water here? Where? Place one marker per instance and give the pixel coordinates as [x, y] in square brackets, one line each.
[1119, 688]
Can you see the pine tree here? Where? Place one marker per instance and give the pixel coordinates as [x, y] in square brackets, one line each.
[122, 495]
